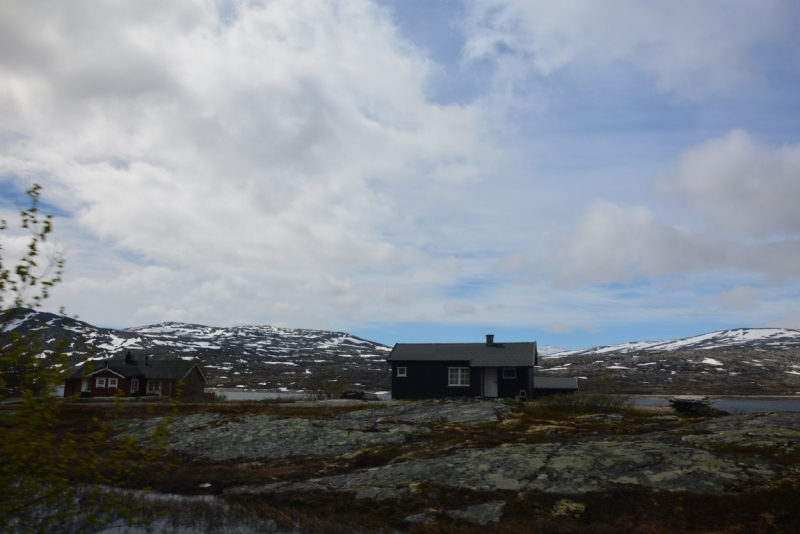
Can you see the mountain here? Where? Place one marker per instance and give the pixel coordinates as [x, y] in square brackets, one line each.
[754, 338]
[743, 361]
[729, 362]
[250, 356]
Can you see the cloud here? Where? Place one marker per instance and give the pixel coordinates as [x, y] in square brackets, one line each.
[693, 48]
[512, 264]
[741, 185]
[790, 321]
[558, 328]
[265, 152]
[459, 308]
[740, 297]
[742, 191]
[613, 243]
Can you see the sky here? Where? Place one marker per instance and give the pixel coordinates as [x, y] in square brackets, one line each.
[578, 173]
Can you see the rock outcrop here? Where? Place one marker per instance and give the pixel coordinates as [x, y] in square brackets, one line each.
[712, 456]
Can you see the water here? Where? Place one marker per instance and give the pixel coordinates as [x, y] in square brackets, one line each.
[261, 395]
[739, 405]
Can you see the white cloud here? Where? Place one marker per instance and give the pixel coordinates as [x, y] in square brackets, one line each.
[789, 321]
[743, 191]
[613, 243]
[284, 163]
[692, 48]
[741, 185]
[740, 297]
[511, 264]
[256, 154]
[459, 308]
[558, 328]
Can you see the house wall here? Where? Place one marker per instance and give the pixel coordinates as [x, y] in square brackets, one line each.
[72, 387]
[428, 380]
[167, 387]
[193, 384]
[123, 384]
[508, 388]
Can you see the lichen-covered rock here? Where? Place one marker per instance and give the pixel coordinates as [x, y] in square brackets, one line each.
[483, 514]
[573, 468]
[460, 411]
[760, 431]
[420, 519]
[220, 438]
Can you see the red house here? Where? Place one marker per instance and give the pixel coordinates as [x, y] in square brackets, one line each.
[136, 378]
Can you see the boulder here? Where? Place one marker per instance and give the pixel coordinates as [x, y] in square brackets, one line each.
[691, 404]
[482, 514]
[354, 394]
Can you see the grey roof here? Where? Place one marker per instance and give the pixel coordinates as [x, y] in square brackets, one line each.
[545, 382]
[153, 369]
[477, 354]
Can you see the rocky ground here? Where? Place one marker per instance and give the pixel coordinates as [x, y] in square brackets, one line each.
[721, 371]
[436, 466]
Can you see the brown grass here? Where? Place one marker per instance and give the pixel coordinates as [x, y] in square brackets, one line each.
[632, 510]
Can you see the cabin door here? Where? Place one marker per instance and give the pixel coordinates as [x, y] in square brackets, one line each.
[84, 386]
[490, 382]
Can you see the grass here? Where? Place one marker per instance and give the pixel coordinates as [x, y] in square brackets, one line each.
[582, 403]
[629, 510]
[637, 511]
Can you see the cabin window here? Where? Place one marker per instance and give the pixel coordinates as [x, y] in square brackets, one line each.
[402, 371]
[154, 386]
[458, 376]
[112, 382]
[101, 382]
[134, 385]
[509, 373]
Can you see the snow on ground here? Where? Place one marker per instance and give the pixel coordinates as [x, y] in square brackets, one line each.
[11, 325]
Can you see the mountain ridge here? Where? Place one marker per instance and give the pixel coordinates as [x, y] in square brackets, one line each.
[756, 338]
[240, 356]
[734, 361]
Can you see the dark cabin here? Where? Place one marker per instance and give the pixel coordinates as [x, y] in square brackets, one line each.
[440, 370]
[136, 378]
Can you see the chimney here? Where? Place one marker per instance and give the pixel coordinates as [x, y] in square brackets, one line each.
[129, 358]
[147, 360]
[489, 340]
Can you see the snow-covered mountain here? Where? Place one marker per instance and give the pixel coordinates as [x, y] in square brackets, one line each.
[251, 356]
[755, 338]
[744, 360]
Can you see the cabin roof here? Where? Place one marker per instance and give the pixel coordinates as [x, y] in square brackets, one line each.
[546, 382]
[477, 354]
[152, 369]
